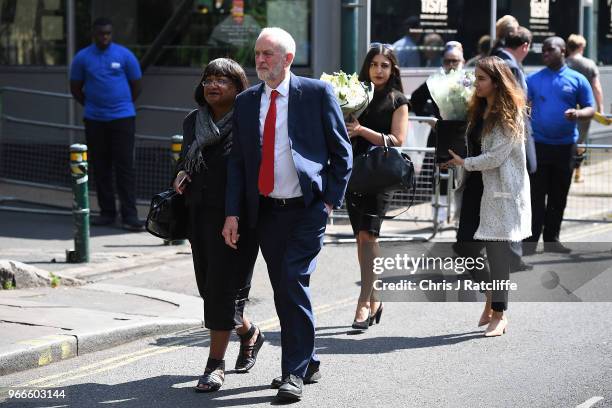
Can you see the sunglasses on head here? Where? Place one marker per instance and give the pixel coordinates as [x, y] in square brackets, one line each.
[379, 44]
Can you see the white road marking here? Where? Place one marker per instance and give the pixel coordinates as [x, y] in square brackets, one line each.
[590, 402]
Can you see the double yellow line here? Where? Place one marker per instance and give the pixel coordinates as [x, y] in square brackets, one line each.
[55, 380]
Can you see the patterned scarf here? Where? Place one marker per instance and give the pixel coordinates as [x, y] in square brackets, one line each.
[207, 133]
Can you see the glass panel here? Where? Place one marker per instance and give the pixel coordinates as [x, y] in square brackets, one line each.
[208, 30]
[604, 33]
[544, 18]
[419, 29]
[32, 32]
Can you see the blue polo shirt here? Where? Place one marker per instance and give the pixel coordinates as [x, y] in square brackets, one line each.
[106, 74]
[552, 93]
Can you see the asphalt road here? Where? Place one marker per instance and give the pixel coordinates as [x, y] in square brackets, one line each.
[423, 354]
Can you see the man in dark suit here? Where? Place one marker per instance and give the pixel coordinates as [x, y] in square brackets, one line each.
[513, 50]
[290, 164]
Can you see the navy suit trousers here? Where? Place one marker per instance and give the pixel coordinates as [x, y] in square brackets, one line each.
[290, 240]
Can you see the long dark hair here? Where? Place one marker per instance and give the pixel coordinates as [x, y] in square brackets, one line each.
[395, 81]
[221, 67]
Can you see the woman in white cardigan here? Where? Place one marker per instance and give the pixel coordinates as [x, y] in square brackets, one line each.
[496, 207]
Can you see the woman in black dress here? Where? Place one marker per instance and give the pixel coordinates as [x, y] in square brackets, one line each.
[223, 274]
[385, 117]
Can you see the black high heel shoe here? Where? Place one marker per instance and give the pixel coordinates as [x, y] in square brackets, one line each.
[363, 325]
[377, 315]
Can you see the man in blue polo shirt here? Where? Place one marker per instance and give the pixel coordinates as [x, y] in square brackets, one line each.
[559, 96]
[105, 79]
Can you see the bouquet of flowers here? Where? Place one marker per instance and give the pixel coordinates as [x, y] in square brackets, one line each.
[352, 96]
[451, 92]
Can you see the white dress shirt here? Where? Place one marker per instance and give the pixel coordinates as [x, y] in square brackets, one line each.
[286, 182]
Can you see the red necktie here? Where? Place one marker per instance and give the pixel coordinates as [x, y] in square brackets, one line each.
[266, 169]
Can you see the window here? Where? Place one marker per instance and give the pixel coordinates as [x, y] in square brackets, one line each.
[419, 29]
[544, 18]
[32, 32]
[207, 30]
[604, 32]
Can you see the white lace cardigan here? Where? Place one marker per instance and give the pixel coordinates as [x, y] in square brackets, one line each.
[505, 208]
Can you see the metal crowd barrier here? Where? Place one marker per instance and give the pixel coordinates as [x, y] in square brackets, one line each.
[590, 198]
[31, 157]
[429, 208]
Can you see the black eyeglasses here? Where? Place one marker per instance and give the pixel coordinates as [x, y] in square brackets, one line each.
[379, 44]
[218, 82]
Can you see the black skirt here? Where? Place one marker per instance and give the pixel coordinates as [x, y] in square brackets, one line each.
[364, 211]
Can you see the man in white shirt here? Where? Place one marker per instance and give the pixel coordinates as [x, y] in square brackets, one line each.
[289, 165]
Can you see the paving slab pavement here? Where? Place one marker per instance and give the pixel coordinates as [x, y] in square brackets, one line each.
[44, 325]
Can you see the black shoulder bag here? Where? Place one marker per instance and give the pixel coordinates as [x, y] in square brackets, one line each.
[168, 217]
[382, 169]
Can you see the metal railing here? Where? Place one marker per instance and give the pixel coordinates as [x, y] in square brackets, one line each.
[29, 156]
[427, 210]
[590, 197]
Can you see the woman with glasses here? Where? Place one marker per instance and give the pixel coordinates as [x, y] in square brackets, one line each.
[385, 118]
[223, 274]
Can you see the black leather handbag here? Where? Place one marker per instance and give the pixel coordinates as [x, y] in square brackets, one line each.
[382, 169]
[450, 134]
[168, 217]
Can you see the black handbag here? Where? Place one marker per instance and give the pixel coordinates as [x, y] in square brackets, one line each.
[382, 169]
[168, 217]
[450, 134]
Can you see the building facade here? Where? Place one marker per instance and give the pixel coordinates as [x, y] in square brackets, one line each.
[174, 39]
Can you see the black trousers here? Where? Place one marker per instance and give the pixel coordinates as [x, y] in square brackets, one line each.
[549, 187]
[223, 274]
[499, 253]
[111, 144]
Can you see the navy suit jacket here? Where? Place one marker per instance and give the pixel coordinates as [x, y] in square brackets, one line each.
[319, 143]
[519, 75]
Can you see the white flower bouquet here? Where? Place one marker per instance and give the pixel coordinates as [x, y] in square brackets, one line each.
[352, 95]
[451, 93]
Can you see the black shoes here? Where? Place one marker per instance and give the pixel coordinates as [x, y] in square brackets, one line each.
[363, 326]
[134, 225]
[556, 247]
[529, 248]
[312, 376]
[102, 220]
[247, 356]
[377, 315]
[290, 389]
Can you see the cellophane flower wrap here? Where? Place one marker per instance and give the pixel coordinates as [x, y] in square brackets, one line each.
[451, 92]
[352, 95]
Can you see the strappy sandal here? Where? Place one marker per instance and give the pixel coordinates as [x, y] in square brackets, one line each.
[213, 377]
[247, 356]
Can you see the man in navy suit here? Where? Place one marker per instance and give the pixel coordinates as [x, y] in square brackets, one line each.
[515, 48]
[289, 165]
